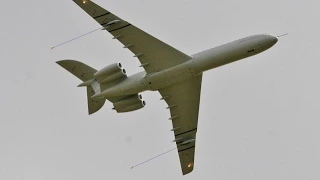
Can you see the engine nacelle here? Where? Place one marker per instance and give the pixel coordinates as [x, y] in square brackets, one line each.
[129, 104]
[114, 76]
[110, 73]
[133, 107]
[112, 68]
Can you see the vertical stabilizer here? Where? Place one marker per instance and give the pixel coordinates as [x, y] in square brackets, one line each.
[94, 105]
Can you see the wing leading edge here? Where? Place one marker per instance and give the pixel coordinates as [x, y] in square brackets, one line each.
[153, 54]
[183, 101]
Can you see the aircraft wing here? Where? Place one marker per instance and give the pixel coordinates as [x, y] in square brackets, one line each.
[154, 55]
[183, 101]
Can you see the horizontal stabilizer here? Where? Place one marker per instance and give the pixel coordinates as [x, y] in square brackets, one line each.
[105, 78]
[85, 73]
[79, 69]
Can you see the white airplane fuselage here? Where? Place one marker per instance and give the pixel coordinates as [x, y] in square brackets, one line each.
[199, 63]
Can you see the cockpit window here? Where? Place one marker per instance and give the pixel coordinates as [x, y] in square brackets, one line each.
[247, 38]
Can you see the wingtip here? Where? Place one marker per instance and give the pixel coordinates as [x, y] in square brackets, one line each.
[187, 172]
[65, 61]
[187, 169]
[59, 62]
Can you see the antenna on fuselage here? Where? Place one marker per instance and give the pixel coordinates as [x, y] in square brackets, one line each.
[282, 35]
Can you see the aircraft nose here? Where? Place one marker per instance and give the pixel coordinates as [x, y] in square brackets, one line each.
[273, 39]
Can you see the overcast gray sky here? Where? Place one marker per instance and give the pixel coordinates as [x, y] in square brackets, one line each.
[259, 118]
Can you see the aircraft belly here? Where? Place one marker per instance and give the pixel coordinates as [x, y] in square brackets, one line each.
[158, 80]
[131, 85]
[171, 76]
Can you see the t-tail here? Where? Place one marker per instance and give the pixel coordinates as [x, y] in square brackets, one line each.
[97, 81]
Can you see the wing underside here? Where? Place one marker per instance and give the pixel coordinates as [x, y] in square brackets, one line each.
[183, 101]
[153, 54]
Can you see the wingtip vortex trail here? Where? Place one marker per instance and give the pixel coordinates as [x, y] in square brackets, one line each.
[153, 158]
[75, 38]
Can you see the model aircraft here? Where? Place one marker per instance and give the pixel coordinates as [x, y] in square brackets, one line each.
[175, 75]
